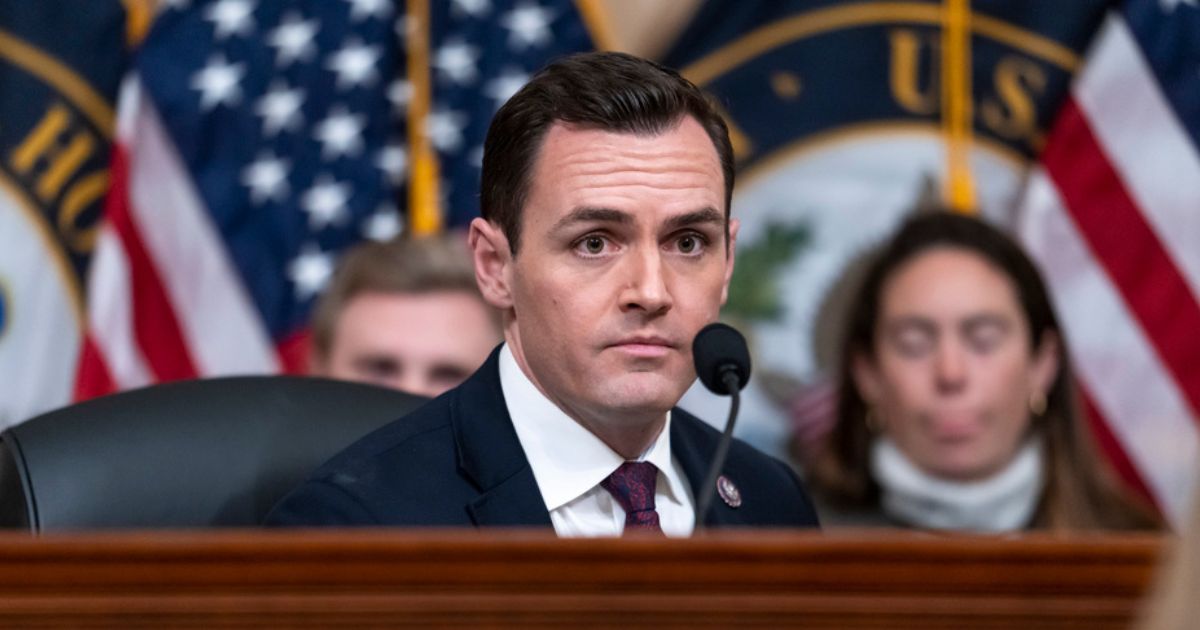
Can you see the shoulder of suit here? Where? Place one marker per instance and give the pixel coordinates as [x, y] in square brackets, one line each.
[429, 421]
[693, 424]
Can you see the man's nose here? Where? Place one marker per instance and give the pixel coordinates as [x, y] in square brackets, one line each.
[647, 288]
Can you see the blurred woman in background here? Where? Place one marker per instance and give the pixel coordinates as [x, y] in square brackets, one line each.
[956, 407]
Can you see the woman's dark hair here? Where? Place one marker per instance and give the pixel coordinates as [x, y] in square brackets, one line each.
[1080, 492]
[610, 91]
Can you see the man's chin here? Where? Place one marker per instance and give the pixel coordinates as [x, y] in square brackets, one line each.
[643, 392]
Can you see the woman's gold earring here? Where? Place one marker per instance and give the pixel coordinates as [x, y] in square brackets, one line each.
[1037, 404]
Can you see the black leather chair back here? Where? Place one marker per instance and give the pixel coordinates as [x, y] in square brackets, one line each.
[214, 452]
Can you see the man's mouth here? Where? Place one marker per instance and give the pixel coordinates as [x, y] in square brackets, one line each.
[644, 346]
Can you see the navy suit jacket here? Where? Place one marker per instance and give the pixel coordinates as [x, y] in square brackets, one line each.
[457, 462]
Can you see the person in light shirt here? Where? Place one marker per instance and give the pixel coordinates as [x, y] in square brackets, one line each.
[405, 314]
[606, 242]
[956, 408]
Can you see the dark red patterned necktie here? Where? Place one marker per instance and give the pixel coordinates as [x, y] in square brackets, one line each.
[632, 485]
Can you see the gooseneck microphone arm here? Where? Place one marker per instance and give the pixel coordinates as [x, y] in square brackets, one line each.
[705, 497]
[723, 365]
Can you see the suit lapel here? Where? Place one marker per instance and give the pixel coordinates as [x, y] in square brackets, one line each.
[514, 502]
[694, 445]
[490, 454]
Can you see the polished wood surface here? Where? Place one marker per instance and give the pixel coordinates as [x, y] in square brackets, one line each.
[390, 578]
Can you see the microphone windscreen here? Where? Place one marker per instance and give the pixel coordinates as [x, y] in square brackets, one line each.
[719, 348]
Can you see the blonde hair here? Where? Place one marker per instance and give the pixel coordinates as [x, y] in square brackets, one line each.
[400, 266]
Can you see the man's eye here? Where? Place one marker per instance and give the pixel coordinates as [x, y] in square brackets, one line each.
[449, 375]
[380, 367]
[690, 243]
[592, 245]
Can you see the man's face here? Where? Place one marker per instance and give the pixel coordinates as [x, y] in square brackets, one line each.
[622, 260]
[422, 343]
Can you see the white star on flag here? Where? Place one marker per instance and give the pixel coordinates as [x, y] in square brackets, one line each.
[405, 26]
[325, 202]
[309, 271]
[400, 93]
[528, 25]
[231, 17]
[473, 8]
[267, 178]
[340, 134]
[1169, 6]
[218, 82]
[501, 88]
[355, 64]
[445, 129]
[393, 161]
[362, 9]
[280, 109]
[384, 224]
[457, 60]
[294, 39]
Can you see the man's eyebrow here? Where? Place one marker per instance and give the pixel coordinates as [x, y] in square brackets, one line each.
[697, 217]
[587, 214]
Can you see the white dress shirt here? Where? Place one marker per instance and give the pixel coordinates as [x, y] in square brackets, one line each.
[569, 462]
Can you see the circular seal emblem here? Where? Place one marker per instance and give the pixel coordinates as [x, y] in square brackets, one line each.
[841, 124]
[729, 492]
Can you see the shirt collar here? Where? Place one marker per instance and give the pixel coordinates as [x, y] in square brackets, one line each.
[567, 459]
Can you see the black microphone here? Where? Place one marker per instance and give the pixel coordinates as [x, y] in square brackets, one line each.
[719, 352]
[723, 365]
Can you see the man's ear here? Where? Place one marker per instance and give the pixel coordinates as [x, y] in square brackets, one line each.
[734, 224]
[493, 262]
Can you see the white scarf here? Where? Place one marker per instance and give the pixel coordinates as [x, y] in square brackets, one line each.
[1003, 502]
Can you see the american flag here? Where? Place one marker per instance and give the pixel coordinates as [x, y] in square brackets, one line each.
[1113, 216]
[257, 140]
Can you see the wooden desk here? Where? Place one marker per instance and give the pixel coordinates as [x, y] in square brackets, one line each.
[374, 578]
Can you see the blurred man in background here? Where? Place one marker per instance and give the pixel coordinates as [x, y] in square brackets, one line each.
[405, 314]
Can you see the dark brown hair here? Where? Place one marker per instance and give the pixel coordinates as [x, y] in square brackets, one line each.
[403, 265]
[599, 90]
[1080, 491]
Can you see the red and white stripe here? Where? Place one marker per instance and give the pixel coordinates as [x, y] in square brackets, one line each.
[1111, 217]
[165, 300]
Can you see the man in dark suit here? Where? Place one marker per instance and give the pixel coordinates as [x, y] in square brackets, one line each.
[607, 244]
